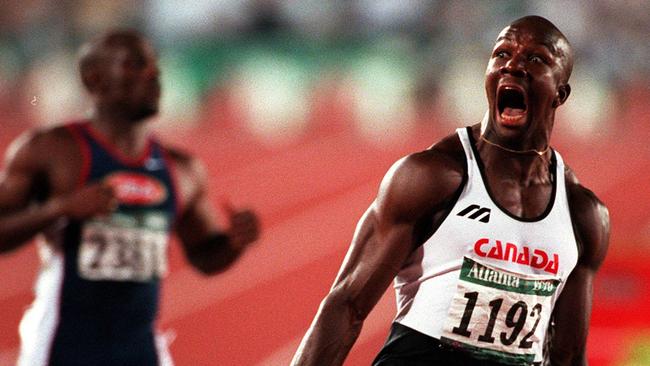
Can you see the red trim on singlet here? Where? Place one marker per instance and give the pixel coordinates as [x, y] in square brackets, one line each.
[171, 166]
[86, 156]
[117, 154]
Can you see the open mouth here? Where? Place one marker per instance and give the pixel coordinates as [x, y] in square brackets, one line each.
[511, 104]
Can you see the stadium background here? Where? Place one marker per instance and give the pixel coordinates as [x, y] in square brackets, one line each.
[299, 107]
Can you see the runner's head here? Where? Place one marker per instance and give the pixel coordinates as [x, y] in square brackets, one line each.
[527, 77]
[120, 71]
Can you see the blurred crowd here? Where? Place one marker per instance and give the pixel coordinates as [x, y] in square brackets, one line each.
[388, 62]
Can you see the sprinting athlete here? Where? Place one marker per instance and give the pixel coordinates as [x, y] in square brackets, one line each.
[106, 194]
[489, 237]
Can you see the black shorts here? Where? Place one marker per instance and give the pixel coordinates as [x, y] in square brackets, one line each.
[408, 347]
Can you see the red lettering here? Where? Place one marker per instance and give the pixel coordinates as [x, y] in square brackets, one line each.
[137, 189]
[477, 246]
[510, 249]
[524, 257]
[497, 251]
[512, 253]
[553, 265]
[540, 259]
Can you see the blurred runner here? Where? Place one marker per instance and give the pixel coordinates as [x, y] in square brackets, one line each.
[106, 195]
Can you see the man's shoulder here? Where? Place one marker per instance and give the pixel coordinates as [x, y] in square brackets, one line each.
[177, 155]
[50, 133]
[184, 162]
[48, 140]
[430, 177]
[187, 171]
[590, 219]
[580, 196]
[444, 157]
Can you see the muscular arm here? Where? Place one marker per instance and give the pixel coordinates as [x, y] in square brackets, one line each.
[25, 179]
[209, 248]
[20, 221]
[384, 238]
[573, 309]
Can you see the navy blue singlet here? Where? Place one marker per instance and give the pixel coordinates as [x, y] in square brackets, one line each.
[109, 275]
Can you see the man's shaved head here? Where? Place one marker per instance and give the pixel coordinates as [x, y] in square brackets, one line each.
[119, 69]
[94, 54]
[554, 39]
[527, 79]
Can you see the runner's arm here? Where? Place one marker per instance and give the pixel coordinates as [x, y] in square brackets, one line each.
[383, 240]
[573, 309]
[18, 221]
[208, 247]
[24, 179]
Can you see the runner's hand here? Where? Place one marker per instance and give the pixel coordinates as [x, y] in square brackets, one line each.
[91, 200]
[244, 226]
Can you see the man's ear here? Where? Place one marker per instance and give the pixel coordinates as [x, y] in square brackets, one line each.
[562, 95]
[92, 80]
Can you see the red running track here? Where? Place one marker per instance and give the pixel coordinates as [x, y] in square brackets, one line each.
[310, 194]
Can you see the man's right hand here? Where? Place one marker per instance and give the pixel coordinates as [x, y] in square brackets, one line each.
[21, 225]
[91, 200]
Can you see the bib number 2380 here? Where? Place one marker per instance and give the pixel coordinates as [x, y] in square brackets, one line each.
[499, 315]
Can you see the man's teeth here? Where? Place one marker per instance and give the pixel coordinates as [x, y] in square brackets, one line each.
[509, 111]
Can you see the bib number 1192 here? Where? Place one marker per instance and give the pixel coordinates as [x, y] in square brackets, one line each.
[516, 318]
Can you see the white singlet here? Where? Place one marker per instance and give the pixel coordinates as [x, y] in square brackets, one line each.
[486, 281]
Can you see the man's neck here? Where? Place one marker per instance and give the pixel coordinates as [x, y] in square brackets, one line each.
[129, 137]
[525, 169]
[526, 163]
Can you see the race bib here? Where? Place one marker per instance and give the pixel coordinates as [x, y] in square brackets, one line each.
[499, 315]
[124, 247]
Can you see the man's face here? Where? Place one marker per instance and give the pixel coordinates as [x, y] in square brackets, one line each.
[131, 84]
[523, 78]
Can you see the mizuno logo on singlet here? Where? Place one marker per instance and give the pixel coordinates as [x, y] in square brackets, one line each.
[476, 211]
[517, 254]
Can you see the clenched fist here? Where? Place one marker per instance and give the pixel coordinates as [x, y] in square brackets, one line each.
[244, 227]
[91, 200]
